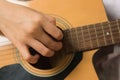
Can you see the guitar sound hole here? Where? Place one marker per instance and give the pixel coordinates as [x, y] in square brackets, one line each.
[43, 62]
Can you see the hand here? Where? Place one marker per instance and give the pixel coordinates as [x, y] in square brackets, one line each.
[28, 28]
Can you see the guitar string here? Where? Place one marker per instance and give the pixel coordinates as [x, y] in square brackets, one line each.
[13, 46]
[13, 54]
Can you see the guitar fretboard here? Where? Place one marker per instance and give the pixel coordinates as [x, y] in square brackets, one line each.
[92, 36]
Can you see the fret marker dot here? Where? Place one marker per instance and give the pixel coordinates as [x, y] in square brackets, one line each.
[107, 33]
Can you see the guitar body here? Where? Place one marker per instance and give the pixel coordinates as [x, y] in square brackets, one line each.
[78, 12]
[67, 12]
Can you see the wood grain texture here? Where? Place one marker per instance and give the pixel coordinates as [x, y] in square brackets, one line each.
[7, 55]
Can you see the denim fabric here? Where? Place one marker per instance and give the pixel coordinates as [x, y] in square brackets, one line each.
[106, 62]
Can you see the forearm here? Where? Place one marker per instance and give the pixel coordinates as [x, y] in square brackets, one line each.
[2, 5]
[6, 12]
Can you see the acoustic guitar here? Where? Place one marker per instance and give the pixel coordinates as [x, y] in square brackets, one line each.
[85, 28]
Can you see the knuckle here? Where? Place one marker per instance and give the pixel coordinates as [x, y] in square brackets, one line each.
[32, 28]
[38, 18]
[52, 19]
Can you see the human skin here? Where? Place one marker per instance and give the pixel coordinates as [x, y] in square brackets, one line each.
[26, 28]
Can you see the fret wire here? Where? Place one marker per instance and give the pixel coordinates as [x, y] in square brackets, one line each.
[112, 24]
[86, 37]
[66, 37]
[67, 45]
[115, 31]
[90, 36]
[103, 34]
[111, 31]
[77, 37]
[80, 38]
[72, 40]
[83, 37]
[74, 36]
[96, 35]
[117, 21]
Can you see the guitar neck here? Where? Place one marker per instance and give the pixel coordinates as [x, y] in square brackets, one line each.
[91, 36]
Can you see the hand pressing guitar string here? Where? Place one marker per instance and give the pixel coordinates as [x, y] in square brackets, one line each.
[26, 28]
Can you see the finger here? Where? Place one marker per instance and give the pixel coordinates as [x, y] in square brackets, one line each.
[27, 56]
[53, 30]
[39, 47]
[51, 19]
[49, 42]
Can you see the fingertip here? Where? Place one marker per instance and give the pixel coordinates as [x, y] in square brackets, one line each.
[48, 53]
[58, 35]
[32, 59]
[27, 55]
[35, 59]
